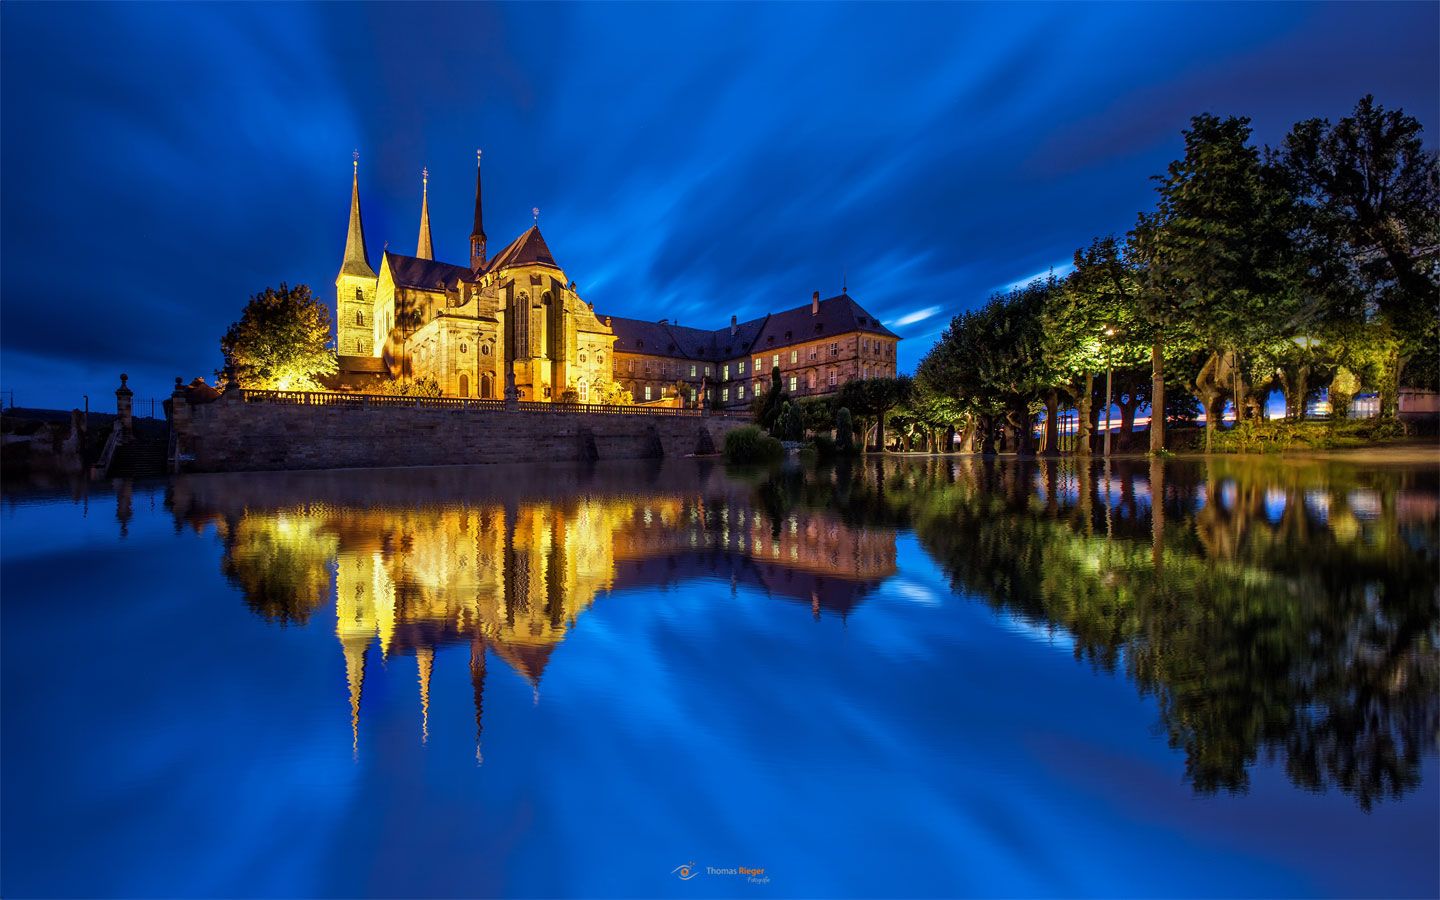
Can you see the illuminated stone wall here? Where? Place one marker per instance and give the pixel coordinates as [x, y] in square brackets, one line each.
[231, 435]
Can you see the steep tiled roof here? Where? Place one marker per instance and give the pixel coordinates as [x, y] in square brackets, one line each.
[837, 315]
[428, 274]
[527, 249]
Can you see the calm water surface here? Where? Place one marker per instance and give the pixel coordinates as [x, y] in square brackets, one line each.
[920, 677]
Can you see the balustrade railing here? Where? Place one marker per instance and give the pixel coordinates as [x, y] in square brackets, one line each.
[361, 401]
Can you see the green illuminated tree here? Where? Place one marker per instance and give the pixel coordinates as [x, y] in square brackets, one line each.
[281, 342]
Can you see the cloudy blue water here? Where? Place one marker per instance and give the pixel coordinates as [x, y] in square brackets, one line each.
[921, 678]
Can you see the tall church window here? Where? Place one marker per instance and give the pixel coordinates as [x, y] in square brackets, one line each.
[359, 317]
[487, 386]
[464, 385]
[358, 351]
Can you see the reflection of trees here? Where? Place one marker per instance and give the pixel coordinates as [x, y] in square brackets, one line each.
[281, 565]
[1310, 641]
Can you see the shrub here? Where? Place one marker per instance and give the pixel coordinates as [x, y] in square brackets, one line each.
[825, 446]
[425, 386]
[749, 444]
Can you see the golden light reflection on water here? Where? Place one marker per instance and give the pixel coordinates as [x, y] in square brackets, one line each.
[511, 576]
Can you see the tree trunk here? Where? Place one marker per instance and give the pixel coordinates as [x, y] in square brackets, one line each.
[1157, 397]
[1083, 433]
[1127, 421]
[1302, 387]
[1051, 444]
[1024, 433]
[987, 435]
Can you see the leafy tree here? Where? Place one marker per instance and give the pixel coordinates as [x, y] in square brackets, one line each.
[1369, 196]
[282, 341]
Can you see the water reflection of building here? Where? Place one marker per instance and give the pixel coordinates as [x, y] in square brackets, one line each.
[510, 577]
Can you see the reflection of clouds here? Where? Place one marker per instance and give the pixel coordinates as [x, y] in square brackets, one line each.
[914, 591]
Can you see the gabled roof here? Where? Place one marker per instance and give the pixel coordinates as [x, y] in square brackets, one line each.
[526, 250]
[837, 315]
[427, 274]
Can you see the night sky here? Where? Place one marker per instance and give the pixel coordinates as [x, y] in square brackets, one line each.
[162, 163]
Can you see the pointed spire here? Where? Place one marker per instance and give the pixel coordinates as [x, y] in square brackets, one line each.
[425, 661]
[357, 261]
[423, 248]
[477, 234]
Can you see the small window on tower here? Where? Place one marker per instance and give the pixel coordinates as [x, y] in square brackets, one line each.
[359, 317]
[359, 295]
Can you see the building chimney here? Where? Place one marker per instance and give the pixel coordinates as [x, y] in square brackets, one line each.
[815, 304]
[733, 326]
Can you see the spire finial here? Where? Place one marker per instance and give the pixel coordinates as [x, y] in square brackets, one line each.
[355, 157]
[535, 211]
[477, 156]
[844, 281]
[425, 176]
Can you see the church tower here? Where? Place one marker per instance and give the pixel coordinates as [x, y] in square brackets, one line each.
[355, 285]
[477, 234]
[423, 248]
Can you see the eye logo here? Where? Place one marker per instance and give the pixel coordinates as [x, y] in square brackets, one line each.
[685, 872]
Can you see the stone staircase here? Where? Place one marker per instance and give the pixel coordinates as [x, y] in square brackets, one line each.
[140, 457]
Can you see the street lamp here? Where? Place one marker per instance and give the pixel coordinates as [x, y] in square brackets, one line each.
[1109, 371]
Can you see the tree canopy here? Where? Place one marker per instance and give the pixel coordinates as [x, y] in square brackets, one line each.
[281, 342]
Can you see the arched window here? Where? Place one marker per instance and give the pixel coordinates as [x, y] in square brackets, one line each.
[359, 317]
[583, 390]
[599, 359]
[462, 350]
[359, 295]
[464, 385]
[358, 351]
[484, 349]
[487, 388]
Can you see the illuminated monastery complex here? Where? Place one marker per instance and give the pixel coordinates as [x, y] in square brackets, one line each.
[517, 312]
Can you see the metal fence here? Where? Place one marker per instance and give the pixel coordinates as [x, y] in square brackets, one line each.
[365, 401]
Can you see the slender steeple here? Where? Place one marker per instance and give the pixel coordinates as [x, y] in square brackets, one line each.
[477, 234]
[423, 248]
[357, 261]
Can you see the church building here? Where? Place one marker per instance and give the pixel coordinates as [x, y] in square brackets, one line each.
[517, 315]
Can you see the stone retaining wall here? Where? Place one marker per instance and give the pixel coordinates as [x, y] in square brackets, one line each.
[231, 435]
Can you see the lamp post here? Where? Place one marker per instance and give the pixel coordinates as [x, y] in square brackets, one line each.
[1109, 371]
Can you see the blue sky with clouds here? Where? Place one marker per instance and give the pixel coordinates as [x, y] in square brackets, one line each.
[158, 164]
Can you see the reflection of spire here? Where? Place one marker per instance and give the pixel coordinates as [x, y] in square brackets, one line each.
[355, 677]
[477, 682]
[425, 662]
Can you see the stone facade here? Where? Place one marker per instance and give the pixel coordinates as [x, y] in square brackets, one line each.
[518, 313]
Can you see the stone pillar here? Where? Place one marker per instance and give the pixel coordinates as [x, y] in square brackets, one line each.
[124, 403]
[179, 423]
